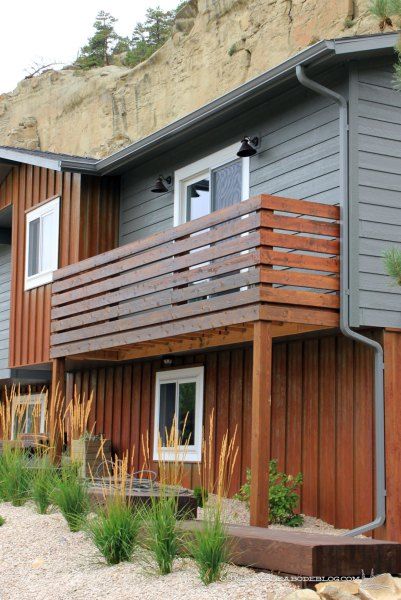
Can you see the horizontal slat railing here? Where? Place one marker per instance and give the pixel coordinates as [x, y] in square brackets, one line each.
[212, 272]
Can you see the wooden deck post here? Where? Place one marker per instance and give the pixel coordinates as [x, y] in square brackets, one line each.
[57, 404]
[261, 416]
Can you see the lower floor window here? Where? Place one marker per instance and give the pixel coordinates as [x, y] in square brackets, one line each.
[28, 415]
[178, 418]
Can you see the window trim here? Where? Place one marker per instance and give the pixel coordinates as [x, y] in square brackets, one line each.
[193, 453]
[197, 168]
[50, 206]
[34, 399]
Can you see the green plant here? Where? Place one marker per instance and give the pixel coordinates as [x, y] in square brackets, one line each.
[115, 530]
[161, 537]
[209, 547]
[382, 9]
[392, 263]
[15, 476]
[348, 23]
[201, 496]
[2, 520]
[71, 497]
[44, 480]
[283, 496]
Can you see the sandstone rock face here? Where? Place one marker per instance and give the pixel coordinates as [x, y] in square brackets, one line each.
[216, 45]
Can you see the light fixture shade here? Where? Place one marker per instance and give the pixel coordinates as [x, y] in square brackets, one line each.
[247, 147]
[159, 187]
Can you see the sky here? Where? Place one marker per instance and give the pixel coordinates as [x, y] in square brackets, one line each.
[46, 31]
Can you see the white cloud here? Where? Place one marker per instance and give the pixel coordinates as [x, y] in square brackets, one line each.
[51, 31]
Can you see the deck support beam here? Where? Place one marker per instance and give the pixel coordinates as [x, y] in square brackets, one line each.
[261, 417]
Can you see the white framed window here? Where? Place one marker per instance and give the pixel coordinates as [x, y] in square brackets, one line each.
[211, 183]
[179, 403]
[41, 249]
[28, 415]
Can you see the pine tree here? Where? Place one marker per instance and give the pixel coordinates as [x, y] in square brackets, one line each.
[150, 35]
[100, 47]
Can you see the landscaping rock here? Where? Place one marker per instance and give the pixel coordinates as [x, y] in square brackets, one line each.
[333, 592]
[303, 595]
[381, 587]
[334, 589]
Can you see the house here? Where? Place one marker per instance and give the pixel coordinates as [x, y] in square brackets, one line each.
[175, 277]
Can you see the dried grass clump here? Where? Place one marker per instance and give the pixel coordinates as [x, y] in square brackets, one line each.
[77, 416]
[218, 483]
[116, 527]
[172, 470]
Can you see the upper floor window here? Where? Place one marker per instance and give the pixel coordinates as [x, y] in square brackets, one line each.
[214, 182]
[42, 235]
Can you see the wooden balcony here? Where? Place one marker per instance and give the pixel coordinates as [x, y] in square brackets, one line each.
[268, 258]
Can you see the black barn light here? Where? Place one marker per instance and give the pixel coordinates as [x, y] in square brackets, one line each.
[248, 147]
[159, 187]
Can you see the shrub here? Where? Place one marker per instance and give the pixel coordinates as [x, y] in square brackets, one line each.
[209, 547]
[283, 496]
[2, 520]
[15, 476]
[382, 9]
[161, 537]
[348, 23]
[115, 530]
[44, 480]
[392, 263]
[71, 497]
[201, 496]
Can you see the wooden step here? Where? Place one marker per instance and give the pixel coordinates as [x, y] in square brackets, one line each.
[307, 554]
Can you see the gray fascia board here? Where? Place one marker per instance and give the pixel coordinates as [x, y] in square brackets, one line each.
[79, 166]
[260, 84]
[343, 48]
[365, 44]
[16, 156]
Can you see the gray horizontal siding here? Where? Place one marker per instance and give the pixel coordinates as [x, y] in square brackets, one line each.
[297, 157]
[378, 146]
[5, 286]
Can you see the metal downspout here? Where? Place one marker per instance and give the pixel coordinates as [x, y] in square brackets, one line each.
[380, 485]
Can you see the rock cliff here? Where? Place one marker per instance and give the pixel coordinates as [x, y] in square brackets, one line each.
[216, 45]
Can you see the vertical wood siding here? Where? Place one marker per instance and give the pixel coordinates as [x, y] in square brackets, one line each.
[321, 416]
[392, 381]
[88, 225]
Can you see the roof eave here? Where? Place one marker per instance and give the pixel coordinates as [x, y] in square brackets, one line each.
[269, 79]
[344, 48]
[15, 156]
[79, 166]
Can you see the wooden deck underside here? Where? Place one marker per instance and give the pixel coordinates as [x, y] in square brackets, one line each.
[312, 555]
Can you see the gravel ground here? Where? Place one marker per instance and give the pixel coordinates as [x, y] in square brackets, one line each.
[41, 558]
[235, 512]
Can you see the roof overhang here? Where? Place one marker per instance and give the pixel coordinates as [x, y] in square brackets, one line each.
[49, 160]
[11, 156]
[325, 54]
[322, 54]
